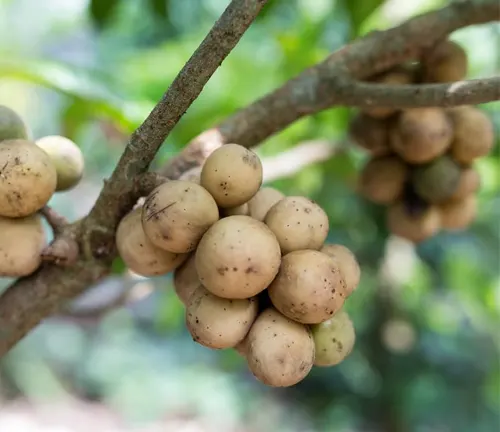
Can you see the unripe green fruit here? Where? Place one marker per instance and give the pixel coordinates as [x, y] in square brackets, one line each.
[67, 159]
[11, 125]
[333, 339]
[438, 180]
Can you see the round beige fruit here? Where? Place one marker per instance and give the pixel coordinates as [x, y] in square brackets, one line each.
[298, 223]
[413, 227]
[21, 243]
[262, 202]
[458, 214]
[382, 179]
[12, 125]
[279, 351]
[347, 263]
[469, 183]
[421, 134]
[219, 323]
[186, 279]
[28, 178]
[67, 159]
[333, 339]
[232, 174]
[177, 214]
[474, 135]
[138, 253]
[370, 134]
[309, 287]
[238, 257]
[446, 62]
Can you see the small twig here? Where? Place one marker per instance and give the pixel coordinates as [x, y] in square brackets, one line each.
[56, 221]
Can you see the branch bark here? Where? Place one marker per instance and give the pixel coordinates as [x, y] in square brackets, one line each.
[331, 82]
[29, 300]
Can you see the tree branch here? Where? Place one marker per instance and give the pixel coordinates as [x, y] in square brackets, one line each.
[328, 83]
[29, 300]
[25, 303]
[471, 92]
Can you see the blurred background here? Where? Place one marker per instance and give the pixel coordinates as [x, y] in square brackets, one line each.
[120, 359]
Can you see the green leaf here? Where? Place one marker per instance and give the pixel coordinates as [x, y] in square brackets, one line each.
[77, 84]
[159, 7]
[359, 10]
[118, 266]
[102, 10]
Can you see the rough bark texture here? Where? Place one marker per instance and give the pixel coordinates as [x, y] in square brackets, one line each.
[332, 82]
[31, 299]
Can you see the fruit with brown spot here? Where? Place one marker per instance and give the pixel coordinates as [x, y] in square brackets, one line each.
[279, 351]
[28, 178]
[309, 287]
[138, 253]
[176, 215]
[219, 323]
[333, 339]
[298, 223]
[232, 174]
[238, 257]
[347, 263]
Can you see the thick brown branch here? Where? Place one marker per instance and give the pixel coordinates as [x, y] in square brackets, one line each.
[25, 303]
[324, 85]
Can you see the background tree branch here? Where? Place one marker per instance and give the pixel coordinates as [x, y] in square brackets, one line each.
[330, 82]
[29, 300]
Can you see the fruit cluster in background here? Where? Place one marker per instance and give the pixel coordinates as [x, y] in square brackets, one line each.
[251, 266]
[31, 171]
[421, 163]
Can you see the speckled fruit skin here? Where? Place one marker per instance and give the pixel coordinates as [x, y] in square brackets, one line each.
[139, 254]
[262, 202]
[347, 263]
[279, 351]
[232, 174]
[298, 223]
[333, 339]
[176, 215]
[309, 287]
[219, 323]
[238, 257]
[28, 178]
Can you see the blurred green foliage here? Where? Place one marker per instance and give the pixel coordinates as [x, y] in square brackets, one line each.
[427, 354]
